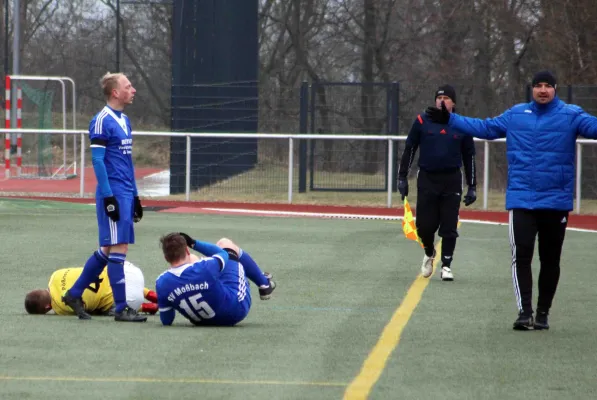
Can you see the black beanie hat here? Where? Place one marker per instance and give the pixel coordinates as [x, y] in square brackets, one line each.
[544, 76]
[446, 90]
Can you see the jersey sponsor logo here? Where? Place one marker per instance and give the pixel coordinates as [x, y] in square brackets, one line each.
[126, 146]
[443, 132]
[63, 281]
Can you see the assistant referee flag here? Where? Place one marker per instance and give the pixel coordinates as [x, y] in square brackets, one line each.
[408, 224]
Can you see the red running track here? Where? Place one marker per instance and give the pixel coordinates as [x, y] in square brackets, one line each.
[588, 221]
[61, 185]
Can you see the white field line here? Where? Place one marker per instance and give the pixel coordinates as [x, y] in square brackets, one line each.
[351, 216]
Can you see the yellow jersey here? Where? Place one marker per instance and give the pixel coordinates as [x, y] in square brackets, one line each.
[97, 296]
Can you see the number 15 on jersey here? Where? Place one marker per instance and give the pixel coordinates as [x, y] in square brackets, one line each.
[197, 310]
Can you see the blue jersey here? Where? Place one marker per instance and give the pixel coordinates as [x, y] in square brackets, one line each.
[204, 292]
[541, 150]
[113, 129]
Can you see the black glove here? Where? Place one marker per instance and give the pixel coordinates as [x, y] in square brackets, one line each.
[403, 187]
[138, 210]
[190, 241]
[111, 208]
[232, 255]
[471, 196]
[439, 116]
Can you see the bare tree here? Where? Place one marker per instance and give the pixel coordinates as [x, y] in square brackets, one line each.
[149, 25]
[488, 49]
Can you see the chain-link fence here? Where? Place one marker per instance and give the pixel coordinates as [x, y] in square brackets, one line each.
[341, 166]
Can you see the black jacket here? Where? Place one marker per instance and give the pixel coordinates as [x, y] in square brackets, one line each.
[442, 149]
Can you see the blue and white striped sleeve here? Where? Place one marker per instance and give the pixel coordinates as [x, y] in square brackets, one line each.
[99, 138]
[98, 128]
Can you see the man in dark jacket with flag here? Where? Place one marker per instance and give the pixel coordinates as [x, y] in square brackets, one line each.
[444, 151]
[541, 137]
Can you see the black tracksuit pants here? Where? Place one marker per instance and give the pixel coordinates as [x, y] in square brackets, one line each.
[550, 227]
[438, 205]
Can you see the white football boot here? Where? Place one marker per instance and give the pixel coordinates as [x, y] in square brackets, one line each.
[447, 274]
[427, 266]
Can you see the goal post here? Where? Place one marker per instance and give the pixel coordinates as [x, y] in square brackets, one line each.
[42, 159]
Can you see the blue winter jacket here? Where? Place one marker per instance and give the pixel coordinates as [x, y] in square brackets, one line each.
[541, 150]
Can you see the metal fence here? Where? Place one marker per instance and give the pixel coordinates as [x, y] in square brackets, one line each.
[277, 180]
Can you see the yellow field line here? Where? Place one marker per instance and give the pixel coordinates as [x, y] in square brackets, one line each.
[166, 380]
[375, 363]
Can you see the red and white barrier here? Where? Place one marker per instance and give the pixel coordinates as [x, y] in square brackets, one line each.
[7, 141]
[7, 84]
[19, 126]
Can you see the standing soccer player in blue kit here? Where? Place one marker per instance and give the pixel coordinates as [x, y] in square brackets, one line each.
[117, 201]
[212, 290]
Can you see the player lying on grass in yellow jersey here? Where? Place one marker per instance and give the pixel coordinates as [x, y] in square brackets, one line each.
[97, 297]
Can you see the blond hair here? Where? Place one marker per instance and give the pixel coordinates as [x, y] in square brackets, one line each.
[109, 82]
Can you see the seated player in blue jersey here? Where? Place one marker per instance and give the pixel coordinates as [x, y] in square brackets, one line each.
[212, 290]
[116, 198]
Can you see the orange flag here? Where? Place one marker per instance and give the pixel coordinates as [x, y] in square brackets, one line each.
[408, 224]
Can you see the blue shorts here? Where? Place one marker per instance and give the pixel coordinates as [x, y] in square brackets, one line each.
[121, 232]
[237, 303]
[233, 277]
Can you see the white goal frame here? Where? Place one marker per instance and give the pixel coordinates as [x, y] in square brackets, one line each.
[61, 79]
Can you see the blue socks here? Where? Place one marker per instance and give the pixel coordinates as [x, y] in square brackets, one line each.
[252, 270]
[117, 281]
[91, 271]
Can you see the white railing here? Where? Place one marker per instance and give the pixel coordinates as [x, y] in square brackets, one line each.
[291, 138]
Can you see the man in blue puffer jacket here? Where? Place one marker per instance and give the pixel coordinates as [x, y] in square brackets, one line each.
[540, 138]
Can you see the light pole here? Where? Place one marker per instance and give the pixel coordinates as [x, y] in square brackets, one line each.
[117, 36]
[6, 70]
[16, 55]
[16, 36]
